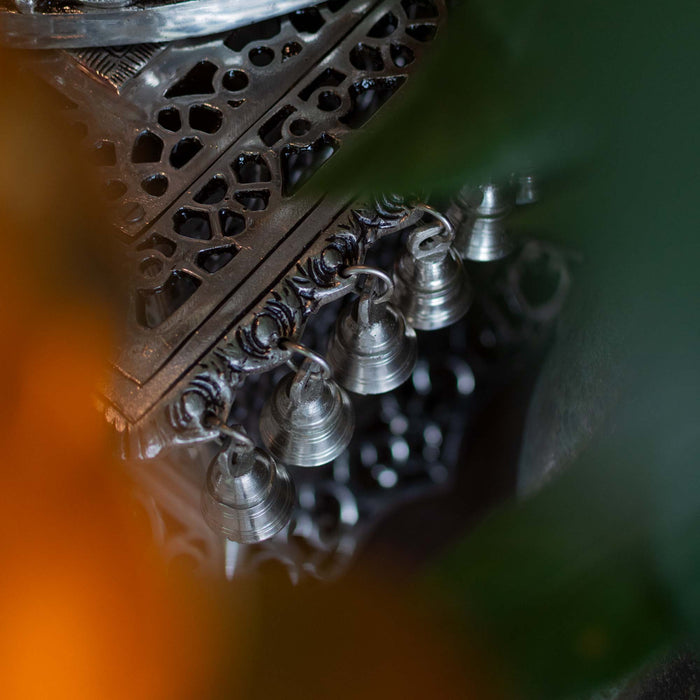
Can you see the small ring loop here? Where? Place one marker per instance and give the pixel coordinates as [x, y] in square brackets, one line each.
[357, 270]
[243, 441]
[439, 241]
[291, 346]
[447, 225]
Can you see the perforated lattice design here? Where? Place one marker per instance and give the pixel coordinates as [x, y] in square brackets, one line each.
[206, 151]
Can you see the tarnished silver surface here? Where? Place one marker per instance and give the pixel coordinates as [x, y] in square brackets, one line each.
[45, 24]
[205, 152]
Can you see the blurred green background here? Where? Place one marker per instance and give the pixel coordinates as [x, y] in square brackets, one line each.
[556, 596]
[600, 571]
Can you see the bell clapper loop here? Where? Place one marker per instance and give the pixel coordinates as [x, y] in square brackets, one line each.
[431, 241]
[307, 378]
[377, 274]
[444, 221]
[370, 300]
[432, 288]
[241, 440]
[314, 357]
[241, 446]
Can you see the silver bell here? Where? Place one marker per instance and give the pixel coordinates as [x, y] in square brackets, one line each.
[527, 190]
[247, 497]
[308, 421]
[432, 288]
[482, 235]
[373, 349]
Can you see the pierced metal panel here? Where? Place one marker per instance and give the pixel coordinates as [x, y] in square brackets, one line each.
[205, 147]
[155, 132]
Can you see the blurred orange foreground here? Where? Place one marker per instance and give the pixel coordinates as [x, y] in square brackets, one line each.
[87, 607]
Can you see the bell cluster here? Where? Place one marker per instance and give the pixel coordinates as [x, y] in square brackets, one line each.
[308, 420]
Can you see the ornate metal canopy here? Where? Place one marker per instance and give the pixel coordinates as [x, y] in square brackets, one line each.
[205, 148]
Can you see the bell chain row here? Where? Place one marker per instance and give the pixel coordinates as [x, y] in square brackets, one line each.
[308, 420]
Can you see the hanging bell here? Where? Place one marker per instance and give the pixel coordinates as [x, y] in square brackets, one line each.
[373, 349]
[482, 235]
[247, 497]
[432, 288]
[308, 421]
[527, 190]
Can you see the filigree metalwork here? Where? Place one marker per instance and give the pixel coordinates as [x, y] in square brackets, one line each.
[225, 247]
